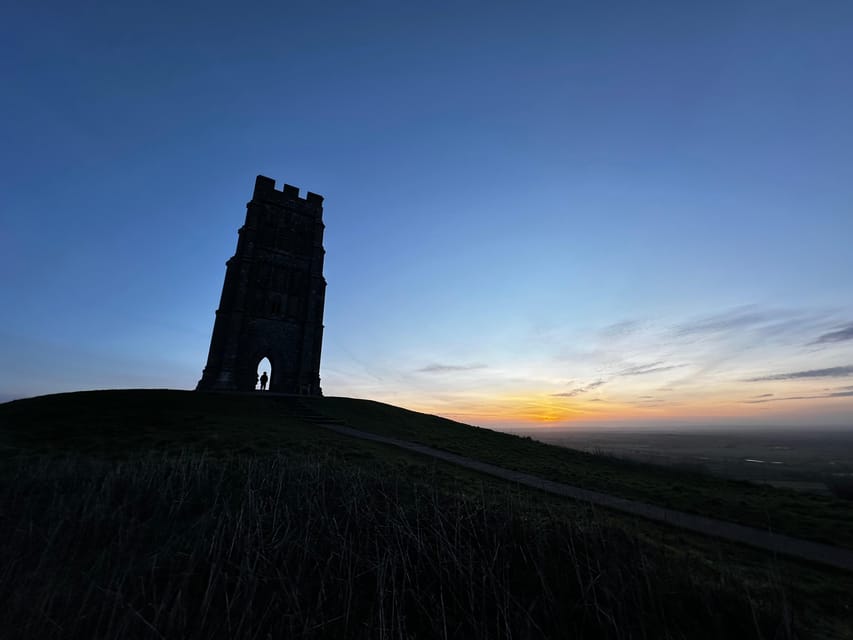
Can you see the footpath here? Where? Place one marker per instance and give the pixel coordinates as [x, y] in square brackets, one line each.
[774, 542]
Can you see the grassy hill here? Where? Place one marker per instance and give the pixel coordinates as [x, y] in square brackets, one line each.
[182, 514]
[815, 517]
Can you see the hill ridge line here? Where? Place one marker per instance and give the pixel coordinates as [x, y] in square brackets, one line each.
[817, 552]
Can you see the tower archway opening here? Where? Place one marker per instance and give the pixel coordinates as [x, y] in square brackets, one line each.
[264, 375]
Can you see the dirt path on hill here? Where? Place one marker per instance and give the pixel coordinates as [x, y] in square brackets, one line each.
[767, 540]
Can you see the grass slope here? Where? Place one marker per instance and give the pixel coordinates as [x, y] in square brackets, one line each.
[178, 514]
[819, 518]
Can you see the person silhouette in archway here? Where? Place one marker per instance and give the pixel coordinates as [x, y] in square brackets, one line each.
[264, 379]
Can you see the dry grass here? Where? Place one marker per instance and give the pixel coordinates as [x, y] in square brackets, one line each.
[300, 546]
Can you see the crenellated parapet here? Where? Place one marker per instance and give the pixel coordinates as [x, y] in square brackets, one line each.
[265, 191]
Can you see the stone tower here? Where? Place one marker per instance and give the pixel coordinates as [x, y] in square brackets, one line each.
[272, 298]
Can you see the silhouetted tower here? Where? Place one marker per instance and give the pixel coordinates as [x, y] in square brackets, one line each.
[272, 298]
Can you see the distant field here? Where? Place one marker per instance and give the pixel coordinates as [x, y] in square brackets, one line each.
[182, 514]
[809, 460]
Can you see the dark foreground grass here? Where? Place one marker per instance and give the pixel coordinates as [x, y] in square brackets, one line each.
[819, 518]
[148, 514]
[303, 546]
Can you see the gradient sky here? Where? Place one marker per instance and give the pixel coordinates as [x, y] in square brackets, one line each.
[537, 212]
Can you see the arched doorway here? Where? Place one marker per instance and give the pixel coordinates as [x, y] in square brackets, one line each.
[264, 374]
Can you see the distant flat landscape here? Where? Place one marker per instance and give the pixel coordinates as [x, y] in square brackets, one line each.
[812, 460]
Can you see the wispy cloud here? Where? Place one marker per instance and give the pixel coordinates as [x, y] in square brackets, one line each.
[449, 368]
[739, 318]
[620, 329]
[839, 335]
[831, 372]
[643, 369]
[579, 390]
[757, 322]
[780, 399]
[648, 401]
[820, 396]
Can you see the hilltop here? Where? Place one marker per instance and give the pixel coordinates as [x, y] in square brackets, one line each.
[220, 515]
[124, 422]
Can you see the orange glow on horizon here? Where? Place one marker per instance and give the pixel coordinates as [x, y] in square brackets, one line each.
[529, 409]
[542, 410]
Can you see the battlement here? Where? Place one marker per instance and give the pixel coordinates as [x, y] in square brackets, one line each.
[265, 190]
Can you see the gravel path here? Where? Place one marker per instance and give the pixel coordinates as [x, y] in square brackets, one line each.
[774, 542]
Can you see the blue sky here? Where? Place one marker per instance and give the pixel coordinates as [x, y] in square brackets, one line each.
[546, 212]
